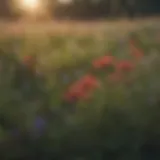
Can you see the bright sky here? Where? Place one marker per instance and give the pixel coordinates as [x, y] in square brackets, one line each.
[34, 4]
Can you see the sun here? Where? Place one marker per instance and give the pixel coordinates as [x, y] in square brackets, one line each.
[32, 9]
[30, 4]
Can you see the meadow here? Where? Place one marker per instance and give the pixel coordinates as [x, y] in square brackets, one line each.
[88, 97]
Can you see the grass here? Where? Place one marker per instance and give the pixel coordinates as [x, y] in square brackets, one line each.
[116, 123]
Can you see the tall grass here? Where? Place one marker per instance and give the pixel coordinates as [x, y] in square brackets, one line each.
[116, 122]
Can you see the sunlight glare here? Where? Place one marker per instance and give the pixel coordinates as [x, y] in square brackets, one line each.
[30, 4]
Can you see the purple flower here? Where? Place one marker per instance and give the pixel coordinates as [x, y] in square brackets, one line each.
[39, 123]
[38, 127]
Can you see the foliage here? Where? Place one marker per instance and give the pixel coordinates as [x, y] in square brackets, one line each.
[92, 9]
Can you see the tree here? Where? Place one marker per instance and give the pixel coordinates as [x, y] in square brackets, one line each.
[5, 10]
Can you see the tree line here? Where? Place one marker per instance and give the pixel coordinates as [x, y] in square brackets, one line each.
[107, 8]
[90, 9]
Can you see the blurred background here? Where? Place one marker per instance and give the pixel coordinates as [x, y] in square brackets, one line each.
[79, 9]
[79, 79]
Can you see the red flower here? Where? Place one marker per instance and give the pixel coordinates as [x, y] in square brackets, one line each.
[82, 89]
[103, 62]
[136, 52]
[73, 95]
[29, 61]
[132, 42]
[79, 94]
[125, 66]
[89, 82]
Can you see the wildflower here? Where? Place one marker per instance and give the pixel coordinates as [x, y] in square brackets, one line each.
[125, 66]
[89, 82]
[79, 95]
[73, 95]
[132, 42]
[82, 89]
[38, 129]
[136, 52]
[103, 62]
[39, 123]
[29, 61]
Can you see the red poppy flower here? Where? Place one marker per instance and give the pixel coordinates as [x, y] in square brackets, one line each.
[103, 62]
[69, 97]
[125, 66]
[136, 52]
[89, 81]
[29, 61]
[132, 42]
[73, 96]
[82, 89]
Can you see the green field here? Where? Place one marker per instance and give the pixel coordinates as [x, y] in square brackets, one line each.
[89, 97]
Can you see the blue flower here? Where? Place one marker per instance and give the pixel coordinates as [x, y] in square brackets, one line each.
[38, 127]
[39, 123]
